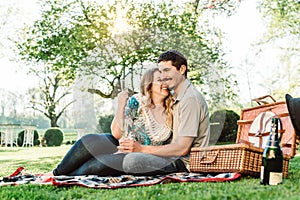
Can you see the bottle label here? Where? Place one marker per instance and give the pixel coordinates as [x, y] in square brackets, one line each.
[275, 178]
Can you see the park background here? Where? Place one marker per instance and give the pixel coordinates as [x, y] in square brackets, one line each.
[259, 39]
[255, 42]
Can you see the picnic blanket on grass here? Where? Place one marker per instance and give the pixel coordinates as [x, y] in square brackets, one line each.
[94, 181]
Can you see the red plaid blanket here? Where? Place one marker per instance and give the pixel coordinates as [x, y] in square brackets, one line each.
[93, 181]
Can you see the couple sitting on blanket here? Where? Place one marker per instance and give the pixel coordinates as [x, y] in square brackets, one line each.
[161, 128]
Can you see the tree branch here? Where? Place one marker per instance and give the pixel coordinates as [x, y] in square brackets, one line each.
[98, 92]
[41, 111]
[64, 108]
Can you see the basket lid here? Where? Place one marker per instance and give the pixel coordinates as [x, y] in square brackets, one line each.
[254, 115]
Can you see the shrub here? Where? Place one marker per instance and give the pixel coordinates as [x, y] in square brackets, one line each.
[228, 119]
[104, 123]
[53, 136]
[36, 140]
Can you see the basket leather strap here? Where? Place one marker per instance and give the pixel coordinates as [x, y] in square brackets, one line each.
[208, 160]
[286, 145]
[283, 114]
[260, 135]
[260, 100]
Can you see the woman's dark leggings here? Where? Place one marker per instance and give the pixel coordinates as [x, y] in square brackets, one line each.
[95, 154]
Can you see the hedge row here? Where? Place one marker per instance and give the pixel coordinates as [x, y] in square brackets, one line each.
[52, 137]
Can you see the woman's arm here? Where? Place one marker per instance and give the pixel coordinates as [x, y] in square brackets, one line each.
[117, 125]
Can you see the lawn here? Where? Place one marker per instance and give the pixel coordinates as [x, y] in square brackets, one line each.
[43, 159]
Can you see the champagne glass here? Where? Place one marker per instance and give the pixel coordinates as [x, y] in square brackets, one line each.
[124, 122]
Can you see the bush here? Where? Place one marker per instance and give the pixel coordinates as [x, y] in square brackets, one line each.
[36, 140]
[228, 119]
[104, 123]
[53, 136]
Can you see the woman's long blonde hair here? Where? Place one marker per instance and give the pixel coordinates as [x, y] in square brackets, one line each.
[145, 88]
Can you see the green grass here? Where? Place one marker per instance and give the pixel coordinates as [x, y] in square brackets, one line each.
[44, 159]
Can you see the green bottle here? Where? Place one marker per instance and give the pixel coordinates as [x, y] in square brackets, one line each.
[272, 159]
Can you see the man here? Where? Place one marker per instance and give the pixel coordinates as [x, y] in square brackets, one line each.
[190, 124]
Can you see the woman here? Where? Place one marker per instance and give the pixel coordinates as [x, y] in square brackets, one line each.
[147, 119]
[148, 115]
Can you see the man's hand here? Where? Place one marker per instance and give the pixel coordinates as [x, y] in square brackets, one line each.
[129, 145]
[179, 148]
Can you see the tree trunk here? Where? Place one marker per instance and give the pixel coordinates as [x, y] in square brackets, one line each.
[54, 122]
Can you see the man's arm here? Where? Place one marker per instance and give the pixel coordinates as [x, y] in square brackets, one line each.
[179, 148]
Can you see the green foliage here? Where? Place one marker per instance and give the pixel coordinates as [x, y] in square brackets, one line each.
[57, 39]
[53, 136]
[227, 124]
[283, 16]
[86, 42]
[105, 123]
[36, 140]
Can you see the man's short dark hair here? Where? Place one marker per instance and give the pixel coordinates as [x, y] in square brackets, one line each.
[176, 57]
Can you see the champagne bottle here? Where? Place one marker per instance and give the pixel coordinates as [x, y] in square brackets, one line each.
[272, 159]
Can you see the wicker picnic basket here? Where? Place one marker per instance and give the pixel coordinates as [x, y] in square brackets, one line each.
[230, 158]
[243, 156]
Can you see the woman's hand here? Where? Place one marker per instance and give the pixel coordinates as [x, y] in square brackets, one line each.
[122, 99]
[129, 145]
